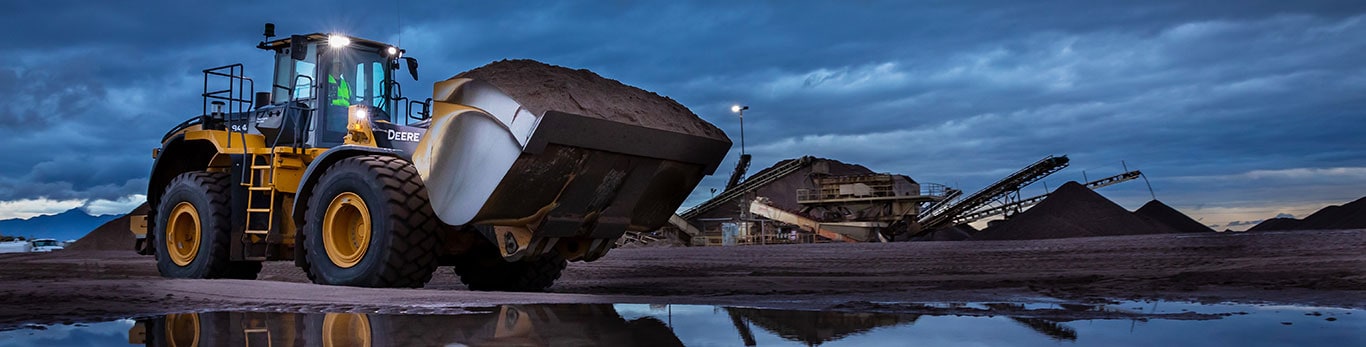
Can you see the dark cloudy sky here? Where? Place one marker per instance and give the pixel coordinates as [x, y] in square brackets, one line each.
[1235, 110]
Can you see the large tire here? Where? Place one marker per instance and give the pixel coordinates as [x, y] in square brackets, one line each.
[369, 224]
[191, 329]
[194, 210]
[487, 271]
[348, 329]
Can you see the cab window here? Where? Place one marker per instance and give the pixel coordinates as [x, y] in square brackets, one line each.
[354, 75]
[287, 71]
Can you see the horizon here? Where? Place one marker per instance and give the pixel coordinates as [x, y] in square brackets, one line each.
[1235, 112]
[1237, 226]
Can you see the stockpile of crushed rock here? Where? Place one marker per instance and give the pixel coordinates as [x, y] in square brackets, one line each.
[542, 87]
[1073, 211]
[1349, 216]
[1277, 224]
[1159, 213]
[951, 233]
[113, 235]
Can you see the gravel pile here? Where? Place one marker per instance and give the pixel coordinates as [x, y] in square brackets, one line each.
[112, 236]
[953, 233]
[1159, 213]
[1277, 224]
[1349, 216]
[1071, 211]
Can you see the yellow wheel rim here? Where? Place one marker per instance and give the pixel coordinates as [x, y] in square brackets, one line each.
[346, 329]
[182, 234]
[182, 329]
[346, 230]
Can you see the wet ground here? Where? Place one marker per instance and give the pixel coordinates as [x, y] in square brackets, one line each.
[1290, 269]
[1151, 323]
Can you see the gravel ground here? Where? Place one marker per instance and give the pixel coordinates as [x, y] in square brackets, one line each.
[1322, 267]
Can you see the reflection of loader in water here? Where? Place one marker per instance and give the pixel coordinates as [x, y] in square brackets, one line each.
[514, 325]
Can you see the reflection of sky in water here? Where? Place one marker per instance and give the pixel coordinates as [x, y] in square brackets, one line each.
[1250, 330]
[715, 326]
[705, 326]
[701, 325]
[91, 334]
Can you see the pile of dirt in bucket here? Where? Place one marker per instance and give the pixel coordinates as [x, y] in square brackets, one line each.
[1348, 216]
[1159, 213]
[542, 87]
[112, 235]
[1071, 211]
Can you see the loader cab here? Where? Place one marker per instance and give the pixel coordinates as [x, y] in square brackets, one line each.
[325, 74]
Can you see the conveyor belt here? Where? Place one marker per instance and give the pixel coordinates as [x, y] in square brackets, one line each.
[1030, 174]
[760, 179]
[1022, 204]
[739, 173]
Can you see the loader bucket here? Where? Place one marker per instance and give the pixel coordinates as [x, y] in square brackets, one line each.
[486, 160]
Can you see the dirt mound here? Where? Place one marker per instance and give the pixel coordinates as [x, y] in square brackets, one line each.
[1348, 216]
[1277, 224]
[954, 233]
[1071, 211]
[542, 87]
[112, 236]
[1351, 215]
[1158, 212]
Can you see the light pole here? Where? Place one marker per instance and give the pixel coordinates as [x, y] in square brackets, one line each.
[740, 168]
[741, 110]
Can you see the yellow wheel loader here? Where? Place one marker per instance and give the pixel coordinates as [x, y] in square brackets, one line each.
[360, 186]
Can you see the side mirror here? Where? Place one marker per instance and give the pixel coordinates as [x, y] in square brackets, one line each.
[298, 47]
[412, 66]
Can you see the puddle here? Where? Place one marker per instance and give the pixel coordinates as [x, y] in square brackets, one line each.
[863, 324]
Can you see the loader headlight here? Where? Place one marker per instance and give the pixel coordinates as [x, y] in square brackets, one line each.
[358, 131]
[393, 51]
[359, 117]
[338, 41]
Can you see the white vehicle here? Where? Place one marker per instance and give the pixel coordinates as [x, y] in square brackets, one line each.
[15, 247]
[47, 245]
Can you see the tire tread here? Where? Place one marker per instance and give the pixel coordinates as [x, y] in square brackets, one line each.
[412, 221]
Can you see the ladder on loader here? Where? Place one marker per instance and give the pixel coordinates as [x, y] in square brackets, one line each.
[260, 185]
[261, 228]
[233, 104]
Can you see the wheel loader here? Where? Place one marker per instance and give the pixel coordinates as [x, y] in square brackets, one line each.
[335, 169]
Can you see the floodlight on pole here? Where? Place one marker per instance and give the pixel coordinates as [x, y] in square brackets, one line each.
[741, 110]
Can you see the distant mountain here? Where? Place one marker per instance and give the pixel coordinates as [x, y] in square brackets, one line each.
[69, 225]
[1351, 215]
